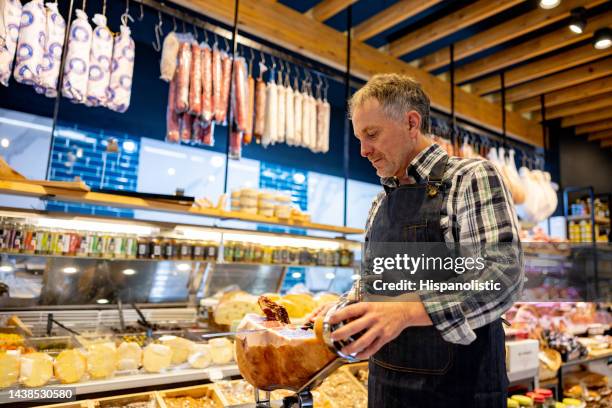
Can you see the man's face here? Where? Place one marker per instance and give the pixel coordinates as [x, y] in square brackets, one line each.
[385, 142]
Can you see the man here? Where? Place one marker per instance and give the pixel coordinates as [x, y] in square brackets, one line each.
[429, 353]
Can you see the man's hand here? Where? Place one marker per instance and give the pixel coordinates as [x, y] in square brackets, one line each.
[320, 311]
[382, 322]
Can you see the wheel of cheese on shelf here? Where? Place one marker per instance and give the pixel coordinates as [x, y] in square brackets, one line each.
[130, 356]
[200, 355]
[180, 348]
[234, 308]
[102, 360]
[36, 369]
[70, 366]
[304, 300]
[222, 351]
[156, 357]
[9, 368]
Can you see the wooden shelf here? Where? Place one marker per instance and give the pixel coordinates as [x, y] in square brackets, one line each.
[598, 220]
[114, 200]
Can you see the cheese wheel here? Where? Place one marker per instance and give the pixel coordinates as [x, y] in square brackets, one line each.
[130, 356]
[156, 357]
[180, 347]
[70, 366]
[101, 360]
[302, 299]
[9, 368]
[222, 351]
[231, 308]
[200, 356]
[36, 369]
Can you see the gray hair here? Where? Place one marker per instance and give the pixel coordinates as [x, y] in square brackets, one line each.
[397, 94]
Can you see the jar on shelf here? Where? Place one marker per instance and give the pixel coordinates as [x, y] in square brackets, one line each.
[345, 257]
[198, 250]
[131, 246]
[549, 401]
[267, 256]
[169, 248]
[83, 249]
[228, 251]
[239, 251]
[185, 250]
[294, 256]
[155, 248]
[29, 240]
[258, 251]
[212, 251]
[249, 252]
[143, 245]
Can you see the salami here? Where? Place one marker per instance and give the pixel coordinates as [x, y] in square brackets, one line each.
[52, 58]
[306, 121]
[120, 88]
[186, 127]
[208, 133]
[313, 123]
[172, 118]
[221, 108]
[11, 16]
[235, 150]
[217, 75]
[195, 81]
[280, 113]
[260, 109]
[240, 101]
[207, 83]
[169, 55]
[289, 116]
[31, 45]
[270, 128]
[298, 99]
[248, 133]
[182, 77]
[99, 62]
[76, 68]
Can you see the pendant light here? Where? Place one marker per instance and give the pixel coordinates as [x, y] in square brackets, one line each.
[549, 4]
[578, 20]
[602, 39]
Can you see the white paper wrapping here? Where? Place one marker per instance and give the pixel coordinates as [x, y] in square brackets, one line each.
[122, 71]
[298, 99]
[10, 17]
[76, 69]
[31, 42]
[271, 122]
[52, 57]
[100, 58]
[280, 113]
[289, 117]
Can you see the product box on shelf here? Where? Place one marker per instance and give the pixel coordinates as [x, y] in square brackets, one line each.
[138, 400]
[207, 396]
[74, 404]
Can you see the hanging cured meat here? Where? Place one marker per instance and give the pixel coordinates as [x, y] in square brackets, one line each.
[195, 81]
[240, 101]
[235, 148]
[208, 133]
[76, 68]
[99, 62]
[260, 109]
[280, 111]
[298, 99]
[31, 42]
[306, 120]
[248, 133]
[183, 72]
[271, 122]
[289, 116]
[313, 124]
[186, 127]
[10, 17]
[207, 83]
[221, 108]
[120, 87]
[169, 56]
[52, 58]
[172, 117]
[217, 76]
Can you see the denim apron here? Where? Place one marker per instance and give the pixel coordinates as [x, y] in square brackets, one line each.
[419, 369]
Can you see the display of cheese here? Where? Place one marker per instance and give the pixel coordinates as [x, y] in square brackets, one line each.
[200, 356]
[295, 310]
[130, 356]
[179, 346]
[70, 366]
[234, 306]
[36, 369]
[156, 357]
[102, 360]
[9, 367]
[281, 356]
[222, 351]
[303, 300]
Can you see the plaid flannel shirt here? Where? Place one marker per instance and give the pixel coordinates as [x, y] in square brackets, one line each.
[478, 211]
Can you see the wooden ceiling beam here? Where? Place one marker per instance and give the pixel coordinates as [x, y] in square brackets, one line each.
[530, 49]
[594, 127]
[301, 34]
[588, 117]
[328, 8]
[504, 32]
[391, 16]
[574, 76]
[449, 24]
[574, 93]
[573, 108]
[604, 134]
[540, 68]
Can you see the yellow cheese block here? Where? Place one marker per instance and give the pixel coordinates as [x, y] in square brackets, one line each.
[200, 356]
[70, 366]
[295, 310]
[180, 347]
[156, 357]
[130, 356]
[235, 308]
[9, 368]
[304, 300]
[36, 369]
[102, 360]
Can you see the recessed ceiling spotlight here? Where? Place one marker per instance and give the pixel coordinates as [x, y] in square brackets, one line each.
[549, 4]
[578, 20]
[602, 39]
[102, 301]
[129, 272]
[70, 270]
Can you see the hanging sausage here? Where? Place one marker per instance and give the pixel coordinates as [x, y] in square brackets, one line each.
[298, 99]
[271, 122]
[183, 71]
[99, 62]
[169, 56]
[186, 127]
[248, 133]
[52, 58]
[217, 76]
[226, 70]
[207, 83]
[289, 113]
[76, 68]
[306, 121]
[31, 42]
[239, 100]
[280, 110]
[260, 105]
[172, 117]
[195, 80]
[120, 87]
[10, 18]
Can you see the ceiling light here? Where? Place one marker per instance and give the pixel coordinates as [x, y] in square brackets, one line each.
[602, 39]
[70, 270]
[102, 301]
[129, 272]
[549, 4]
[578, 20]
[5, 142]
